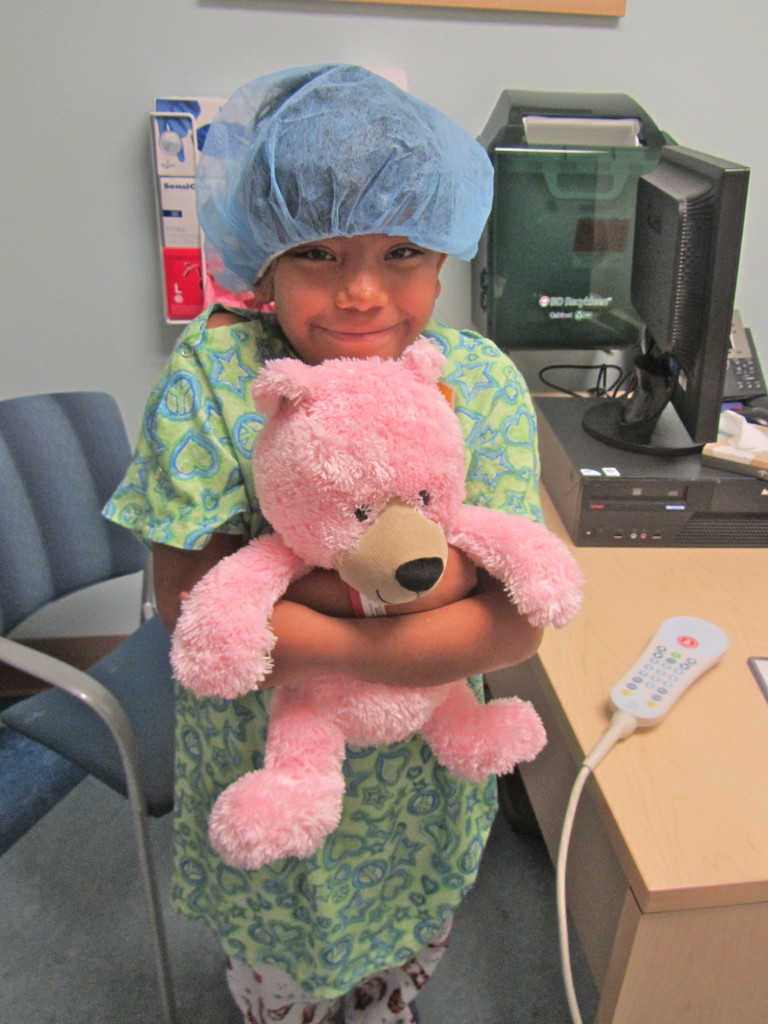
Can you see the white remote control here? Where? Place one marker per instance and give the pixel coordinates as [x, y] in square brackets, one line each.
[682, 650]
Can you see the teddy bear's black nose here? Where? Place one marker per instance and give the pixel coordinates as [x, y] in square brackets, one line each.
[419, 575]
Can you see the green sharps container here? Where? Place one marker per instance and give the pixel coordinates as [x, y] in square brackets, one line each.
[554, 266]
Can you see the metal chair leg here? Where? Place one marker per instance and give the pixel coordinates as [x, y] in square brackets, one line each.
[154, 912]
[108, 708]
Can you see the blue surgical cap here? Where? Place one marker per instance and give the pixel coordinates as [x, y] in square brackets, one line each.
[332, 151]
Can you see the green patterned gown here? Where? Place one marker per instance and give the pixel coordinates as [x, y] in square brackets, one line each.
[411, 835]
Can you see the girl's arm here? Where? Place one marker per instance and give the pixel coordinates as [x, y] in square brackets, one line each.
[472, 635]
[451, 633]
[177, 570]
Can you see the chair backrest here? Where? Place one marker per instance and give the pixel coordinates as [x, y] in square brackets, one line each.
[61, 457]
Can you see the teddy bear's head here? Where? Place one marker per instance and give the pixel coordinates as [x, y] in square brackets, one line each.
[360, 467]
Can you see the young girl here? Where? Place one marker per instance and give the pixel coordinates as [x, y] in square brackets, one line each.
[336, 196]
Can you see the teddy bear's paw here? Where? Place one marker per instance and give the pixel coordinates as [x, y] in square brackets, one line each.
[269, 814]
[487, 740]
[551, 593]
[218, 664]
[540, 574]
[548, 589]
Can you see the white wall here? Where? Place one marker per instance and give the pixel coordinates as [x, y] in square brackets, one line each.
[81, 302]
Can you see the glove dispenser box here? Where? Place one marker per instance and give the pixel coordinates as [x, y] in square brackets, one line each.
[553, 268]
[178, 128]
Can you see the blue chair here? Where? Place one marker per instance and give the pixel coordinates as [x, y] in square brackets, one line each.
[61, 457]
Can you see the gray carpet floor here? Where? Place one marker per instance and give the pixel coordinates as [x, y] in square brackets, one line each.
[74, 947]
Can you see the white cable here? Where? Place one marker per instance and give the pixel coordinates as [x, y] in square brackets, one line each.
[622, 725]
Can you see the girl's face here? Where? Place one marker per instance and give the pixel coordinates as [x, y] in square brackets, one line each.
[370, 295]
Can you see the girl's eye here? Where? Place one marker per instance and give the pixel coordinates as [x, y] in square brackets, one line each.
[313, 253]
[404, 252]
[424, 495]
[362, 513]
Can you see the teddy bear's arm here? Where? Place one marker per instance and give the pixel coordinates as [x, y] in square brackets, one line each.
[223, 641]
[537, 569]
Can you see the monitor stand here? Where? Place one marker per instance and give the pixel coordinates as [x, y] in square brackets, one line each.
[668, 437]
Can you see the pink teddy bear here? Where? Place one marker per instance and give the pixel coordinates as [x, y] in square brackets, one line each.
[359, 468]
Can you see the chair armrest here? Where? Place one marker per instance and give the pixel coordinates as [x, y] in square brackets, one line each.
[82, 686]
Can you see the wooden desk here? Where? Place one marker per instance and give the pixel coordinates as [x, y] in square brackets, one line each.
[668, 869]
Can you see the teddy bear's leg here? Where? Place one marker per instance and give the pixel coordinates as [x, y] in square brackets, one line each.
[287, 808]
[475, 740]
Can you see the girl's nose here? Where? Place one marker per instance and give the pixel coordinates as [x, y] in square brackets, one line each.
[360, 289]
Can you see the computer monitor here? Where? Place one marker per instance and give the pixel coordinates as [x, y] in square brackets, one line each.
[688, 229]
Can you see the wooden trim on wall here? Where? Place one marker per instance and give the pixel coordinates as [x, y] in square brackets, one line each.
[604, 8]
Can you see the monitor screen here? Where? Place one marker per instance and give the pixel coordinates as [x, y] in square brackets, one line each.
[688, 227]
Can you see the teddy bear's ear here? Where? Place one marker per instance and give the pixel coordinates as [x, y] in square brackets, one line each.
[424, 359]
[281, 380]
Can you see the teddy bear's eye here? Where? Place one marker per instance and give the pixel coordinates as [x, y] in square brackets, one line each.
[424, 495]
[362, 513]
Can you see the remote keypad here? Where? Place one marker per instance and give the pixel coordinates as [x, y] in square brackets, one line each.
[683, 648]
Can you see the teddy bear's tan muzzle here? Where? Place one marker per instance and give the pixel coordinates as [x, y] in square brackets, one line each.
[401, 556]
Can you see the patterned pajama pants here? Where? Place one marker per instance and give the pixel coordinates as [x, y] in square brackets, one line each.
[267, 995]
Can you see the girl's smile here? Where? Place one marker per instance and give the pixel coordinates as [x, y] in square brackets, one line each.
[369, 295]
